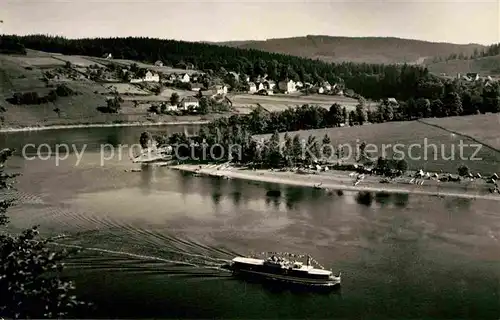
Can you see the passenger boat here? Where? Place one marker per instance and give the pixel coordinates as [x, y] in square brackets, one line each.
[282, 269]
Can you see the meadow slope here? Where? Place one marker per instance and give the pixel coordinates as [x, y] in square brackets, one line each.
[366, 49]
[424, 146]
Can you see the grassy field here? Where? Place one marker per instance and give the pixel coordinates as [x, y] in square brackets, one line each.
[484, 128]
[34, 61]
[79, 61]
[280, 102]
[126, 88]
[416, 133]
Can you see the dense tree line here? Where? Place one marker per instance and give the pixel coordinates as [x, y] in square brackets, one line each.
[373, 81]
[231, 139]
[10, 45]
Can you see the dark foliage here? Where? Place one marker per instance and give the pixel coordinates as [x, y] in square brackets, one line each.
[11, 46]
[32, 97]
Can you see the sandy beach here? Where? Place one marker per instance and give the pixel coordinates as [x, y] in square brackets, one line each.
[341, 180]
[103, 125]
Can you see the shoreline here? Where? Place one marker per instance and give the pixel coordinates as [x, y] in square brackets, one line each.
[333, 182]
[102, 125]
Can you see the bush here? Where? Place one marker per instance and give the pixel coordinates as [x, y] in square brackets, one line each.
[63, 90]
[463, 171]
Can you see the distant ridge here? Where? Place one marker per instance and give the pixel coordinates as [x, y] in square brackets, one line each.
[357, 49]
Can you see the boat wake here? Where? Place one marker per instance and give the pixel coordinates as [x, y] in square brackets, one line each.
[192, 265]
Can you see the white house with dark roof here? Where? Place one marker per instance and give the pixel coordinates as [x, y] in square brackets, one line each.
[287, 86]
[252, 87]
[185, 78]
[219, 89]
[269, 84]
[148, 77]
[327, 86]
[189, 103]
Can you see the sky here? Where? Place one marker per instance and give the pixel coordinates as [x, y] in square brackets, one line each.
[211, 20]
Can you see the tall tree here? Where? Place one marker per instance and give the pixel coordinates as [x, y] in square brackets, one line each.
[360, 114]
[335, 114]
[327, 148]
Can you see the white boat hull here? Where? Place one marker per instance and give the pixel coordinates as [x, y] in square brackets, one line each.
[335, 281]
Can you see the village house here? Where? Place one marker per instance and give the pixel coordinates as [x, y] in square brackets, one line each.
[220, 89]
[148, 77]
[151, 77]
[170, 78]
[473, 76]
[321, 90]
[252, 88]
[299, 85]
[287, 86]
[269, 84]
[468, 76]
[197, 86]
[235, 75]
[108, 56]
[159, 63]
[247, 78]
[260, 86]
[189, 103]
[171, 107]
[392, 101]
[185, 78]
[327, 86]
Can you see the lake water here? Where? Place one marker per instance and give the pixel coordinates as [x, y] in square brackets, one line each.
[155, 239]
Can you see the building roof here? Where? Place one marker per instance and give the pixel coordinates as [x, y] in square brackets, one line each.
[189, 99]
[253, 261]
[197, 85]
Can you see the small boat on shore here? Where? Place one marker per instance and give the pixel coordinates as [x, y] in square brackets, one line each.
[277, 268]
